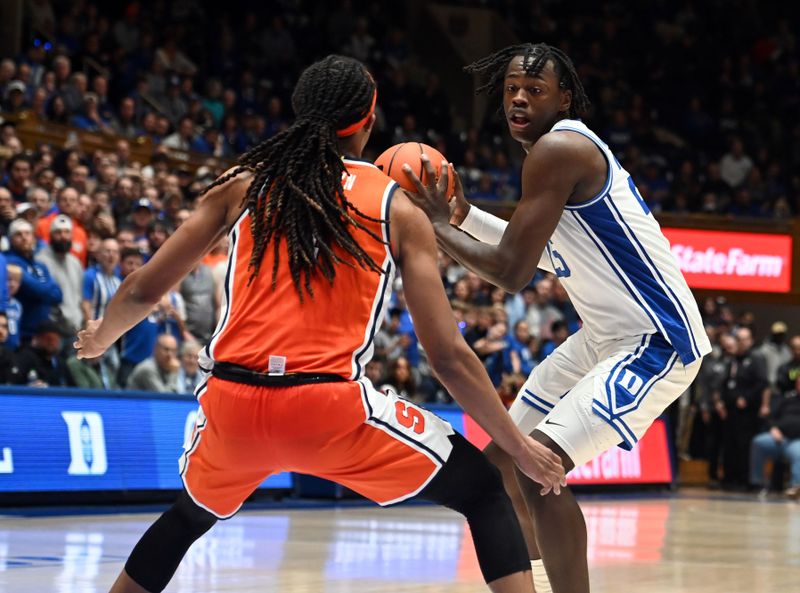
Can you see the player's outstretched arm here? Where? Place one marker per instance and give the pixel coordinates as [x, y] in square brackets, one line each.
[456, 366]
[143, 289]
[556, 164]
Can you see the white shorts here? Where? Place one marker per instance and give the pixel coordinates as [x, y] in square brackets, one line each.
[589, 396]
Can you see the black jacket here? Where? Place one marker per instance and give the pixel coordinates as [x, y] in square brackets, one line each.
[36, 364]
[786, 416]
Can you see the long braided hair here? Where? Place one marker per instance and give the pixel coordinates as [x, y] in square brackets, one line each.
[534, 58]
[296, 191]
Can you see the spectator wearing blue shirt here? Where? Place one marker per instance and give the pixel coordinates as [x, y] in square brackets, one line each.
[558, 335]
[521, 358]
[8, 364]
[406, 326]
[101, 282]
[14, 308]
[495, 351]
[38, 292]
[138, 342]
[90, 118]
[3, 283]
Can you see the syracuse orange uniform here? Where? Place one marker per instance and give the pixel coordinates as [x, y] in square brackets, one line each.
[331, 422]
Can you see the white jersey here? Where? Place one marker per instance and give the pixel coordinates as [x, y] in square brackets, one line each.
[617, 267]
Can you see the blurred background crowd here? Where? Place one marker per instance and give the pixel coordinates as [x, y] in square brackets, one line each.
[704, 127]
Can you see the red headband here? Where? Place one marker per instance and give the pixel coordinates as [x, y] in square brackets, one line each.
[353, 128]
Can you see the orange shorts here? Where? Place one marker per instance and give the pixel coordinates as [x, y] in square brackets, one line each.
[381, 446]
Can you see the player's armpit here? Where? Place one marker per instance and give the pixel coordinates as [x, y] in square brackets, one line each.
[550, 173]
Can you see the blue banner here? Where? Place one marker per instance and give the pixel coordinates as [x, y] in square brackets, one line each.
[72, 440]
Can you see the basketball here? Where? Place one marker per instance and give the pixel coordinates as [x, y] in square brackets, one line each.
[393, 158]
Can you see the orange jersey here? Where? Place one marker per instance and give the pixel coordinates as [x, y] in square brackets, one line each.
[269, 330]
[79, 238]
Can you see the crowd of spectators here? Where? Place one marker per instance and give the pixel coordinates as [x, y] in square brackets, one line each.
[745, 407]
[72, 227]
[698, 100]
[715, 135]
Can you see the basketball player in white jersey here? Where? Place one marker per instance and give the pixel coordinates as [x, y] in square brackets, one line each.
[580, 217]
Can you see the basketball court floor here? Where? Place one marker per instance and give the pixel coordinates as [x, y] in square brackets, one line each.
[658, 544]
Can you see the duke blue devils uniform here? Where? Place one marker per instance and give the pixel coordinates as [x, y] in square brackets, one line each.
[642, 335]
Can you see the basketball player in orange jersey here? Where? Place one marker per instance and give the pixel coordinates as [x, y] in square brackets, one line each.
[286, 390]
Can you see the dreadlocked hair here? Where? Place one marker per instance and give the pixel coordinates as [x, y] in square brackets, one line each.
[534, 58]
[296, 191]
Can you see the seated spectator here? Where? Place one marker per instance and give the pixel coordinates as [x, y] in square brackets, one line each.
[38, 291]
[8, 211]
[400, 379]
[19, 172]
[495, 351]
[189, 373]
[558, 335]
[158, 232]
[522, 360]
[101, 282]
[91, 374]
[735, 165]
[781, 442]
[374, 371]
[141, 217]
[90, 118]
[3, 283]
[197, 290]
[66, 270]
[27, 211]
[14, 308]
[486, 189]
[159, 372]
[40, 363]
[183, 138]
[8, 363]
[788, 372]
[125, 123]
[14, 98]
[68, 203]
[390, 343]
[137, 343]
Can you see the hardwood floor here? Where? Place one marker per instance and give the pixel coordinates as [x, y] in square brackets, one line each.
[678, 544]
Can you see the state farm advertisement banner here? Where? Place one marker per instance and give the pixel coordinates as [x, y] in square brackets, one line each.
[647, 463]
[733, 261]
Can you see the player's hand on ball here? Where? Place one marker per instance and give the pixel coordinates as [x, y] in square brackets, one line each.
[432, 197]
[541, 465]
[459, 207]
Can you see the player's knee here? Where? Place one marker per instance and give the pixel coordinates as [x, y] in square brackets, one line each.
[487, 491]
[194, 520]
[467, 481]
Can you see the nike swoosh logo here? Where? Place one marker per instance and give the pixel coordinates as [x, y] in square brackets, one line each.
[549, 421]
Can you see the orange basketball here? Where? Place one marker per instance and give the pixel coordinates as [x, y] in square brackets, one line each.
[393, 158]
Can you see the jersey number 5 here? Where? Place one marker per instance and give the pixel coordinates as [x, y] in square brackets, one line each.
[560, 267]
[409, 417]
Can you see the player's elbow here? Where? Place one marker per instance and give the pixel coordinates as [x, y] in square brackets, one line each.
[508, 274]
[136, 290]
[445, 369]
[447, 362]
[513, 279]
